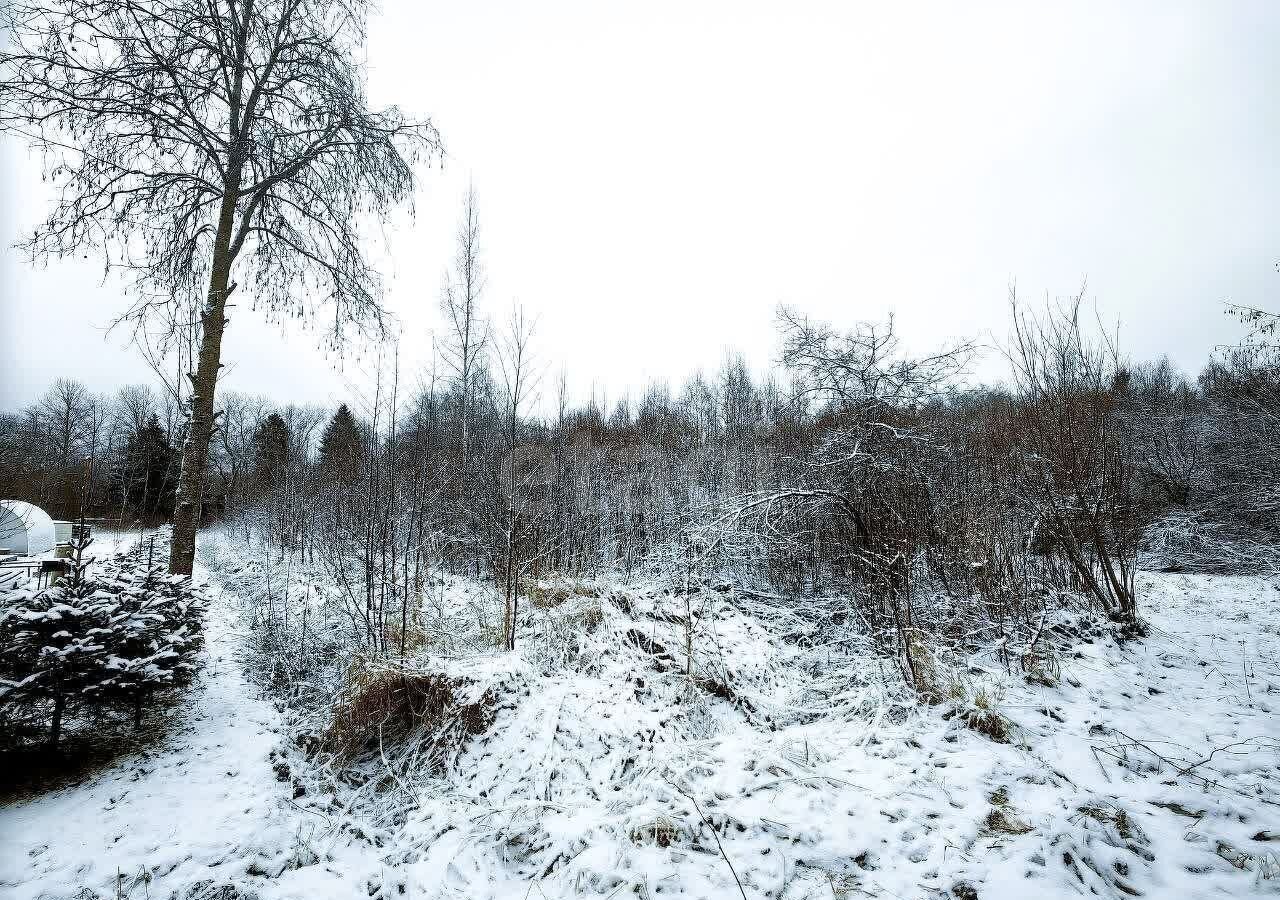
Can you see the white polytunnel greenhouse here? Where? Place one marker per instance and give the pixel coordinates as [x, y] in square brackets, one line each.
[25, 529]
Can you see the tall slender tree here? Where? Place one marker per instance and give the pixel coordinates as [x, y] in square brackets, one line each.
[191, 140]
[520, 383]
[468, 332]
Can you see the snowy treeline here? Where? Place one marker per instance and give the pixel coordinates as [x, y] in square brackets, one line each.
[116, 455]
[853, 469]
[108, 455]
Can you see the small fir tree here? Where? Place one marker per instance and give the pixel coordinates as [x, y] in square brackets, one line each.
[111, 641]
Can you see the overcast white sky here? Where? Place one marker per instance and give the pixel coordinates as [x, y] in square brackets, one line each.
[655, 178]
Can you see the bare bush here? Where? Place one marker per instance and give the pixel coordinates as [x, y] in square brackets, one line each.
[1075, 451]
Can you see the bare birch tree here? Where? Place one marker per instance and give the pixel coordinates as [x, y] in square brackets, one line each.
[468, 332]
[194, 140]
[520, 385]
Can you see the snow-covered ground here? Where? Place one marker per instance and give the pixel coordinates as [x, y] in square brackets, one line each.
[1150, 768]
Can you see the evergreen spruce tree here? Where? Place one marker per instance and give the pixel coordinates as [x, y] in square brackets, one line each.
[342, 447]
[270, 451]
[110, 641]
[55, 652]
[154, 630]
[147, 479]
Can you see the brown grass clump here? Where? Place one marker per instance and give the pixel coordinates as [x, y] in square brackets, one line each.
[415, 637]
[1114, 816]
[716, 688]
[920, 670]
[1001, 821]
[975, 706]
[988, 722]
[1041, 668]
[383, 705]
[550, 594]
[662, 831]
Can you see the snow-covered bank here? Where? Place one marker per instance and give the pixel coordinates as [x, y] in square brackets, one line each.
[618, 783]
[1150, 768]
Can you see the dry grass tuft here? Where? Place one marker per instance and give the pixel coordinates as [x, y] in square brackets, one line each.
[661, 831]
[1001, 821]
[549, 594]
[988, 722]
[920, 670]
[1106, 814]
[1041, 668]
[716, 688]
[416, 638]
[385, 705]
[975, 706]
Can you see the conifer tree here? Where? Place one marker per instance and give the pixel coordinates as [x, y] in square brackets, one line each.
[271, 451]
[342, 446]
[112, 640]
[147, 479]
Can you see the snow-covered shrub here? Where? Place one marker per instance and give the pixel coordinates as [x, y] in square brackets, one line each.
[1192, 541]
[54, 644]
[106, 642]
[154, 630]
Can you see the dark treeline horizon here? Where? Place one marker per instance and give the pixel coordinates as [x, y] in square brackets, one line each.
[70, 430]
[70, 426]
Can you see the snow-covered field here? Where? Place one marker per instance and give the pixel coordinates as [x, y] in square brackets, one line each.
[1150, 768]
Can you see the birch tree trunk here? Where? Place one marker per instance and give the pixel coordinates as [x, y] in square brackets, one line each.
[195, 452]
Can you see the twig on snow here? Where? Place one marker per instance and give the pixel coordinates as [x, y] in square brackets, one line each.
[715, 836]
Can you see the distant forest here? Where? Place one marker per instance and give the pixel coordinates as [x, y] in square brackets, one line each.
[851, 467]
